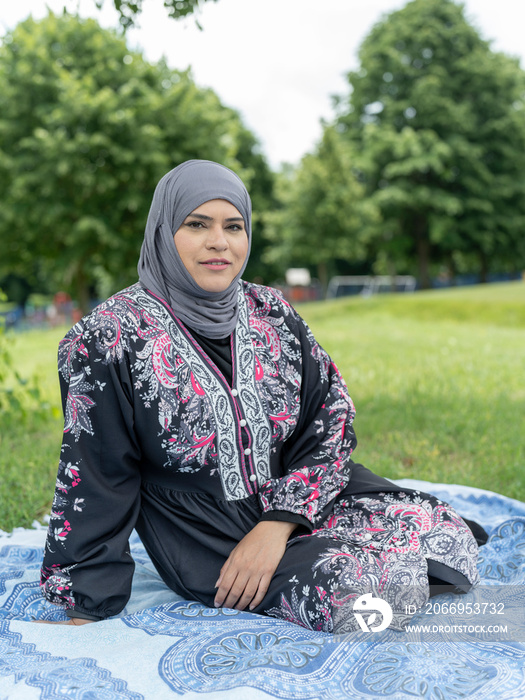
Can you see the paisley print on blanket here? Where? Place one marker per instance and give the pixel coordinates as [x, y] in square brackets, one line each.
[171, 649]
[53, 676]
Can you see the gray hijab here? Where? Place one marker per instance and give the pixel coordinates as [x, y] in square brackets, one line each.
[179, 192]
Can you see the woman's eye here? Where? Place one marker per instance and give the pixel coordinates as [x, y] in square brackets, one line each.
[235, 227]
[194, 224]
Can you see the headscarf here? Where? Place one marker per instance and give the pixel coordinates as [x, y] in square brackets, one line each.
[161, 270]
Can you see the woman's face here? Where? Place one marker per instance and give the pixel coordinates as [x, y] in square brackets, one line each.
[212, 243]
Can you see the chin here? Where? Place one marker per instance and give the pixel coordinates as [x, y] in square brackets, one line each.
[214, 286]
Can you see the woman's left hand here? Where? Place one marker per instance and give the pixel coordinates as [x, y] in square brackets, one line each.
[246, 574]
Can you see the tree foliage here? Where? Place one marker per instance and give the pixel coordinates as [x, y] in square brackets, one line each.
[87, 128]
[439, 120]
[323, 216]
[129, 10]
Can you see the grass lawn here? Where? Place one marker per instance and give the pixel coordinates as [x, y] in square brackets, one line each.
[437, 378]
[30, 445]
[438, 381]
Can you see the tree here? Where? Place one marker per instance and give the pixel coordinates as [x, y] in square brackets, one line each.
[87, 128]
[261, 181]
[323, 215]
[439, 120]
[129, 10]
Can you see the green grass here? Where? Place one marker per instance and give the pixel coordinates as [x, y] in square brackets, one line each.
[437, 378]
[438, 381]
[30, 443]
[501, 305]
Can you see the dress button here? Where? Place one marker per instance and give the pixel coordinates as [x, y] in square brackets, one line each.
[234, 392]
[247, 451]
[253, 477]
[242, 423]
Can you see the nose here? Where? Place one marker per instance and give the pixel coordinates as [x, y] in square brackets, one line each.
[216, 238]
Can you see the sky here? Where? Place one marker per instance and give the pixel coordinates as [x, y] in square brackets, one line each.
[277, 62]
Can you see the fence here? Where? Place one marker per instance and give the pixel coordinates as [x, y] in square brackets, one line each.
[366, 285]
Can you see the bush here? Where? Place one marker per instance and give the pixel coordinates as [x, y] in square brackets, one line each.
[19, 397]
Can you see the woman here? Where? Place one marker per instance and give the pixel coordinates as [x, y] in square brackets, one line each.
[200, 410]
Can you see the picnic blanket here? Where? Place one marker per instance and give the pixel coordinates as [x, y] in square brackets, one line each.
[162, 646]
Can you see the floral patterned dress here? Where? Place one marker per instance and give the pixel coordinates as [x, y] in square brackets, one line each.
[158, 438]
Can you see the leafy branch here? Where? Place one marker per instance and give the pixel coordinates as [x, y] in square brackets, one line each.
[129, 10]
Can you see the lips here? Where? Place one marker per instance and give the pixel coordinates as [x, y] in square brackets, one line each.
[216, 264]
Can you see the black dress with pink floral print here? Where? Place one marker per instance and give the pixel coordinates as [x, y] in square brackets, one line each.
[161, 436]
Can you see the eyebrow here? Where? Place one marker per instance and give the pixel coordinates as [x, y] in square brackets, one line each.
[209, 218]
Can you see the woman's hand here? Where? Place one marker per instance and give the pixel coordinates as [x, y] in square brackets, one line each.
[246, 574]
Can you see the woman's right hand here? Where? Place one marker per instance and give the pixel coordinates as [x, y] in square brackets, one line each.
[246, 575]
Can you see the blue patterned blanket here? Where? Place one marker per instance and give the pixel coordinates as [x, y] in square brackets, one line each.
[165, 647]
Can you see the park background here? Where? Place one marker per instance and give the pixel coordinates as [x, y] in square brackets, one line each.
[417, 168]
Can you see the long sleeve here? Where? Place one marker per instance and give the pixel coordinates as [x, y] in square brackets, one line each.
[316, 458]
[87, 565]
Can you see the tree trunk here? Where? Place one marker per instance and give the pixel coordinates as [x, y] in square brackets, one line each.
[452, 271]
[422, 251]
[322, 274]
[82, 290]
[483, 268]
